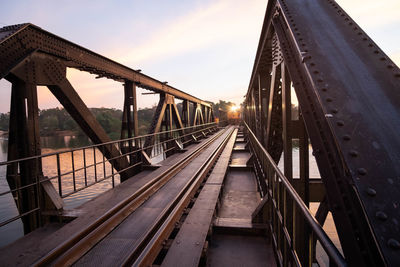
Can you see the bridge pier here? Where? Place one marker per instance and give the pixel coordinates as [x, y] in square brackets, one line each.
[24, 141]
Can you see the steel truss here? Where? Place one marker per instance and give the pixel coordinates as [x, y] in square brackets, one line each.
[349, 102]
[31, 57]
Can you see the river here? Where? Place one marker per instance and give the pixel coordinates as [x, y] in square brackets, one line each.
[14, 230]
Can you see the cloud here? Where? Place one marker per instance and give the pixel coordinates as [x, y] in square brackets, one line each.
[221, 21]
[101, 92]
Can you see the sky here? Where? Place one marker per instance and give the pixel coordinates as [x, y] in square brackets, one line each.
[203, 47]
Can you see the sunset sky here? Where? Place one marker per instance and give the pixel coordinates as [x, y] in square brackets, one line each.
[205, 48]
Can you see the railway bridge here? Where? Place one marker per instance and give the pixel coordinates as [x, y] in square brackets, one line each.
[195, 192]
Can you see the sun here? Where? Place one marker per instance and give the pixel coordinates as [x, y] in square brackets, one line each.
[234, 108]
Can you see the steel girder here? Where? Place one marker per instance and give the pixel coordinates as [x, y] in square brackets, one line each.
[30, 56]
[18, 41]
[348, 93]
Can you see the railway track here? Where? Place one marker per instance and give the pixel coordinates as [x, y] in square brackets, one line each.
[150, 241]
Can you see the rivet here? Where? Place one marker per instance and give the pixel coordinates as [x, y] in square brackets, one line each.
[381, 215]
[346, 137]
[393, 243]
[362, 171]
[340, 123]
[335, 110]
[353, 153]
[371, 192]
[314, 152]
[324, 89]
[329, 100]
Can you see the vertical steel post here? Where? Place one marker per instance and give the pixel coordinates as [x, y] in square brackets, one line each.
[24, 141]
[287, 148]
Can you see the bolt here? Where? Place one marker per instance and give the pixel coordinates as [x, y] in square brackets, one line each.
[371, 192]
[393, 243]
[353, 153]
[346, 137]
[362, 171]
[381, 215]
[340, 123]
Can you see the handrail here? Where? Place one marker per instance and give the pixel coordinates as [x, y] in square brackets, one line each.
[107, 143]
[99, 165]
[320, 234]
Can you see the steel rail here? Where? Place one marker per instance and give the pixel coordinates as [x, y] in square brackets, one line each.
[97, 146]
[72, 249]
[150, 242]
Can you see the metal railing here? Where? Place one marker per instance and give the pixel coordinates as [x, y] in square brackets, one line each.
[76, 169]
[285, 209]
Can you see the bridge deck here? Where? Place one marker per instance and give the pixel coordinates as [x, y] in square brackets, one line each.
[238, 242]
[206, 212]
[38, 243]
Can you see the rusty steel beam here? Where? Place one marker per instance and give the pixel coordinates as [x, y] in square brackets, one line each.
[18, 41]
[24, 141]
[347, 89]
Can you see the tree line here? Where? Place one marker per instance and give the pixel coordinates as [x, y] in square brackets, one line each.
[57, 120]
